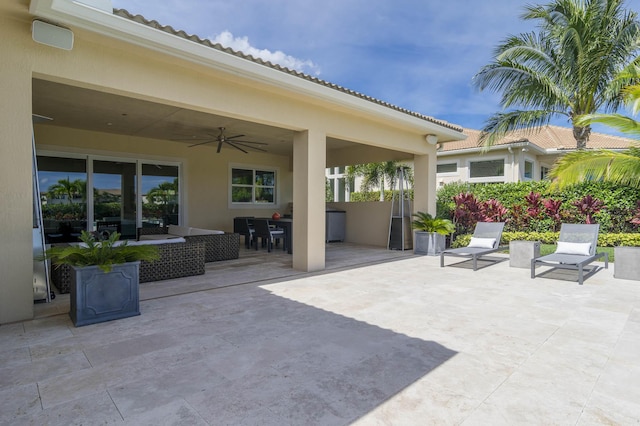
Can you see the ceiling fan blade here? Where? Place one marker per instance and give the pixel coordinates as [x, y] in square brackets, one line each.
[202, 143]
[237, 147]
[252, 142]
[219, 147]
[249, 146]
[233, 137]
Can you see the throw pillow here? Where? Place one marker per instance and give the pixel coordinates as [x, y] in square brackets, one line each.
[482, 242]
[583, 249]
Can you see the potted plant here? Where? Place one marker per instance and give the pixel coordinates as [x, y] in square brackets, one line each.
[430, 233]
[104, 277]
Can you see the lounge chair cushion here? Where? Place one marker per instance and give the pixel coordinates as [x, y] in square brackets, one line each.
[582, 249]
[482, 242]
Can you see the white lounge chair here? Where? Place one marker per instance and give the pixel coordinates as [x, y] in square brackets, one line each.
[576, 249]
[486, 239]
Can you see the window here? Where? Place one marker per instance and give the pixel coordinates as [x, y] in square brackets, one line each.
[528, 170]
[447, 168]
[490, 168]
[252, 186]
[337, 189]
[544, 172]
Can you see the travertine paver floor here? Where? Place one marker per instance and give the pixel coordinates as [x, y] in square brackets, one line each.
[399, 342]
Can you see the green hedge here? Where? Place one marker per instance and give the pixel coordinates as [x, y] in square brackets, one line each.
[604, 240]
[620, 202]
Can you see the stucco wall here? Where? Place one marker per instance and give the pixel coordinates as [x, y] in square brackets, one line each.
[367, 222]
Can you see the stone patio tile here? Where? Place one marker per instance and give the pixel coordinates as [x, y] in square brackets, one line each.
[137, 397]
[17, 401]
[421, 403]
[14, 356]
[42, 369]
[95, 409]
[603, 409]
[175, 413]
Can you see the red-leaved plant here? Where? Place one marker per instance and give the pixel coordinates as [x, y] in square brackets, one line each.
[588, 206]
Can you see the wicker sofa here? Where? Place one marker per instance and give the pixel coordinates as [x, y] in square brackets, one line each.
[178, 258]
[219, 245]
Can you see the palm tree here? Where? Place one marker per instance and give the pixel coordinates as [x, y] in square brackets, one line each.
[375, 175]
[68, 189]
[619, 167]
[583, 54]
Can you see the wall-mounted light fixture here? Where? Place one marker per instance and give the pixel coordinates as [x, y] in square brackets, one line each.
[431, 139]
[52, 35]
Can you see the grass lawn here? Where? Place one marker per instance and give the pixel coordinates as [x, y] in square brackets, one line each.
[546, 249]
[550, 248]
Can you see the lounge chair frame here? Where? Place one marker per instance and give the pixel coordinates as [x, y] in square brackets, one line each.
[574, 233]
[482, 230]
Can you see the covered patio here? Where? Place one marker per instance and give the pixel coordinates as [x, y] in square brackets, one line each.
[134, 106]
[393, 339]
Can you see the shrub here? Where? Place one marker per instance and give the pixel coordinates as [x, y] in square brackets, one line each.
[533, 206]
[604, 240]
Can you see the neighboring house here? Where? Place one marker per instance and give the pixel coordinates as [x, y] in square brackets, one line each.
[129, 98]
[519, 157]
[522, 156]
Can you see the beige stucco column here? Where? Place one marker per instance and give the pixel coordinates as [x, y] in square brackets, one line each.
[424, 187]
[309, 160]
[16, 194]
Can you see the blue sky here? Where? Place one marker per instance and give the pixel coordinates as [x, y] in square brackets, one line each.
[417, 54]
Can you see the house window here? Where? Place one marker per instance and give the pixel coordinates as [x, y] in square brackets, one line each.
[528, 170]
[544, 172]
[253, 186]
[490, 168]
[337, 188]
[447, 168]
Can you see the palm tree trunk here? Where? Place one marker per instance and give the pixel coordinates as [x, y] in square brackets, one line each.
[581, 135]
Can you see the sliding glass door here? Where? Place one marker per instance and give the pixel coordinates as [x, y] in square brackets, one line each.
[63, 195]
[114, 197]
[160, 201]
[122, 195]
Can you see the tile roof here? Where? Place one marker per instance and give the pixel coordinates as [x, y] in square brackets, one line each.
[192, 37]
[547, 138]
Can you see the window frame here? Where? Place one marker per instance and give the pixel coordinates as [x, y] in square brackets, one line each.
[501, 178]
[254, 168]
[524, 170]
[455, 173]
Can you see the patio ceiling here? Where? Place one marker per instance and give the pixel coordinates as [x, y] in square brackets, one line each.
[81, 108]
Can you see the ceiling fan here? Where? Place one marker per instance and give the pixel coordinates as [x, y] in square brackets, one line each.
[232, 141]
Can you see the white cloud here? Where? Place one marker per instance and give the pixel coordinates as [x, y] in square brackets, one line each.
[242, 44]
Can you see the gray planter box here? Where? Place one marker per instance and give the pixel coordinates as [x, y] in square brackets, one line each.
[429, 243]
[521, 253]
[98, 296]
[627, 263]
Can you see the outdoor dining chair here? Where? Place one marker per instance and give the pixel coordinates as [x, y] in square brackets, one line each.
[261, 229]
[576, 249]
[486, 239]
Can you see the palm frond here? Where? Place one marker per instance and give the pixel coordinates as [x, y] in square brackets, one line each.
[619, 122]
[602, 165]
[501, 124]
